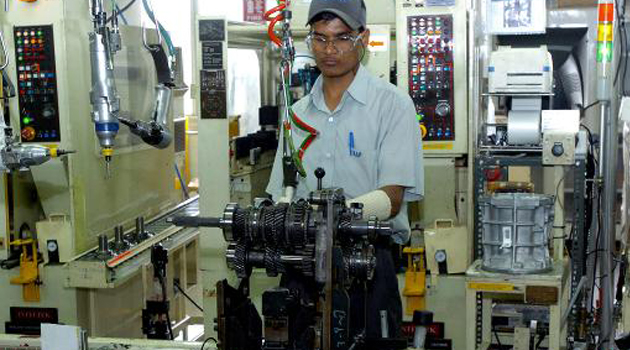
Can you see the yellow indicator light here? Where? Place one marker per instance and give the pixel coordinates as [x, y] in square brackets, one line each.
[605, 33]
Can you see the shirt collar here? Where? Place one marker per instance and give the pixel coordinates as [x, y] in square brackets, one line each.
[359, 86]
[357, 90]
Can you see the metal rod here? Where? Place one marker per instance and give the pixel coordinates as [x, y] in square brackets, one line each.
[103, 244]
[578, 291]
[607, 236]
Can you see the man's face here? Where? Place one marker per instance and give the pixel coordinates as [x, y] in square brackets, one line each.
[342, 58]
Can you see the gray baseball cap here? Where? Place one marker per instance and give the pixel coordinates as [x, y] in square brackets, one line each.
[352, 12]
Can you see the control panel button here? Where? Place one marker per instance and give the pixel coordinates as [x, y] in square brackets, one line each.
[443, 109]
[28, 133]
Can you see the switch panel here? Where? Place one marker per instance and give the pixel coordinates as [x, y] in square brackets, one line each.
[431, 74]
[37, 84]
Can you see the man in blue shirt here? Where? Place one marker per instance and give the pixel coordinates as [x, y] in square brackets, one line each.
[369, 143]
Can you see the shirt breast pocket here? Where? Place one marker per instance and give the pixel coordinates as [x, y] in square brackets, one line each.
[358, 172]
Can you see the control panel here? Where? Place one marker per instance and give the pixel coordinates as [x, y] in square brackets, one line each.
[430, 67]
[37, 84]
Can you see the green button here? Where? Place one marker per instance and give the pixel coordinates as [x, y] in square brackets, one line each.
[27, 120]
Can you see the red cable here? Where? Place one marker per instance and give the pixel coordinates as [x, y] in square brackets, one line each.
[303, 125]
[306, 145]
[278, 8]
[270, 31]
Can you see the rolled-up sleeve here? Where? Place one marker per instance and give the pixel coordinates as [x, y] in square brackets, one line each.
[400, 156]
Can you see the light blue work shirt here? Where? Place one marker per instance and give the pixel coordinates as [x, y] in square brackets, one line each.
[371, 140]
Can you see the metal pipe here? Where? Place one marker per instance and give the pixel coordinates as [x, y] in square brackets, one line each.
[558, 244]
[607, 236]
[578, 292]
[608, 167]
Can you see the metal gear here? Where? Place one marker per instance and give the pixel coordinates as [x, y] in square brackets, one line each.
[237, 260]
[270, 264]
[277, 227]
[308, 264]
[297, 230]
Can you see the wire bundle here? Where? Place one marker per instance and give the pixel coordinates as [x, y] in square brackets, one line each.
[286, 66]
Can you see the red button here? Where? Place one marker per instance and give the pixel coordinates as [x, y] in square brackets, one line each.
[28, 133]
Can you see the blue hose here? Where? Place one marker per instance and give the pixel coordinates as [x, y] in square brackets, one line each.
[164, 32]
[122, 15]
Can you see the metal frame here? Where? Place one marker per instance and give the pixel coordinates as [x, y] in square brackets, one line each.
[578, 262]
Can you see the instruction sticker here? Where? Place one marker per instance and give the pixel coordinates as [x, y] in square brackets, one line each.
[437, 146]
[491, 287]
[379, 43]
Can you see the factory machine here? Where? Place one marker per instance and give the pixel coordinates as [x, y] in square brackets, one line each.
[85, 239]
[539, 197]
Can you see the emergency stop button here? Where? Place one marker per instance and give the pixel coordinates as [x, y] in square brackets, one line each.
[424, 130]
[28, 133]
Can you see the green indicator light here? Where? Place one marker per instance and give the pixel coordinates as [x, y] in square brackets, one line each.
[420, 117]
[39, 33]
[26, 120]
[604, 52]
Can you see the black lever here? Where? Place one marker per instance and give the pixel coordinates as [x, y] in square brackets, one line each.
[319, 174]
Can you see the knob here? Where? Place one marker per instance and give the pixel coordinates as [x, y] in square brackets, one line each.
[443, 109]
[319, 174]
[423, 129]
[557, 149]
[48, 112]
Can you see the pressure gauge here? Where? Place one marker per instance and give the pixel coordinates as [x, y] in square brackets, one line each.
[440, 256]
[53, 251]
[52, 246]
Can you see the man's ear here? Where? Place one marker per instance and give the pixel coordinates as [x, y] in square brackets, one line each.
[366, 38]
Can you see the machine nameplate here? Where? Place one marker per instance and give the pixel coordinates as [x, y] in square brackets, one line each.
[212, 55]
[213, 94]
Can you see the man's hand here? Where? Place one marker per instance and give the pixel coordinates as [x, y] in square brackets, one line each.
[384, 203]
[396, 195]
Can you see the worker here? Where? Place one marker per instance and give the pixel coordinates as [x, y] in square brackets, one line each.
[368, 143]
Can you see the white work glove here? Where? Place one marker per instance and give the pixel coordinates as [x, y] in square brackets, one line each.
[375, 204]
[289, 192]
